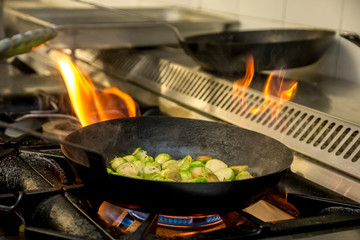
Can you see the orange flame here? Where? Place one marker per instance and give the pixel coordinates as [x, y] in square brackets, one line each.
[93, 105]
[239, 87]
[275, 86]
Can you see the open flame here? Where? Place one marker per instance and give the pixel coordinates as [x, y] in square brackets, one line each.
[240, 85]
[275, 86]
[93, 105]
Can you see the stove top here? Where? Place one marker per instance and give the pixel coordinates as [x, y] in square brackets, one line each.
[43, 197]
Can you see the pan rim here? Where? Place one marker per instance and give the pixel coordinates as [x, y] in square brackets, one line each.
[286, 151]
[321, 33]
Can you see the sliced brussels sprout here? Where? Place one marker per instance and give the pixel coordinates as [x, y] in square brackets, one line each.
[225, 174]
[239, 168]
[215, 165]
[243, 175]
[162, 158]
[172, 164]
[184, 164]
[150, 168]
[171, 174]
[116, 162]
[127, 169]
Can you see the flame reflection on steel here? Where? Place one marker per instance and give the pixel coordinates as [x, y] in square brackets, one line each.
[93, 105]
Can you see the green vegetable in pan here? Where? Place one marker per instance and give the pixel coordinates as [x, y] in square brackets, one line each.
[163, 168]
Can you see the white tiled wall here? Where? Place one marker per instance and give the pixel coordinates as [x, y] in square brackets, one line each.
[342, 60]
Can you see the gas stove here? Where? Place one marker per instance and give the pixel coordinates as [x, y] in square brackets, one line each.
[43, 196]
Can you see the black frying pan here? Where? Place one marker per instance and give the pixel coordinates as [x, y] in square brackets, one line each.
[268, 160]
[226, 52]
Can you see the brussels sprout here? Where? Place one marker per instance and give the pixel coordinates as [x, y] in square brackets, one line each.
[130, 158]
[171, 174]
[146, 158]
[205, 172]
[163, 168]
[215, 165]
[116, 162]
[138, 153]
[155, 164]
[162, 158]
[203, 159]
[150, 168]
[140, 166]
[195, 164]
[172, 164]
[153, 176]
[127, 169]
[243, 175]
[199, 172]
[185, 175]
[225, 174]
[211, 177]
[185, 163]
[238, 169]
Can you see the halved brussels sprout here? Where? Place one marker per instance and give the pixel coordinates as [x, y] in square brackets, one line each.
[203, 159]
[238, 169]
[172, 164]
[127, 169]
[243, 175]
[162, 158]
[140, 165]
[116, 162]
[153, 176]
[130, 158]
[215, 165]
[138, 153]
[171, 174]
[184, 164]
[225, 174]
[150, 168]
[185, 175]
[163, 168]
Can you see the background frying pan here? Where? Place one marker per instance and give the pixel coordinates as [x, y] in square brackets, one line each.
[268, 160]
[226, 52]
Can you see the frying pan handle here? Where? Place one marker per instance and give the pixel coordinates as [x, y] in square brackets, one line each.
[352, 37]
[96, 160]
[122, 11]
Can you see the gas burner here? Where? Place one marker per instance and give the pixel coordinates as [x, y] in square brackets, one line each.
[180, 221]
